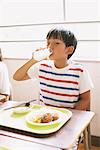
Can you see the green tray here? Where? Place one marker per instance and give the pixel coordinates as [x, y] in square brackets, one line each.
[4, 148]
[18, 121]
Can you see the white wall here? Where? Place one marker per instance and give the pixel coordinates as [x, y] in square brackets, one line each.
[24, 25]
[82, 10]
[23, 90]
[30, 11]
[28, 38]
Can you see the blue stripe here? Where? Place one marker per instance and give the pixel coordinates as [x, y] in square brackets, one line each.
[59, 87]
[60, 74]
[62, 101]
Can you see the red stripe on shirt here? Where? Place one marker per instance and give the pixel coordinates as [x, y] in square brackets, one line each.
[46, 65]
[76, 69]
[70, 95]
[65, 81]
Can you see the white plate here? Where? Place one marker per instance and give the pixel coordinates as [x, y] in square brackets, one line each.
[30, 117]
[21, 110]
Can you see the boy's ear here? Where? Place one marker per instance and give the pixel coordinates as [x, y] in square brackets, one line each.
[70, 49]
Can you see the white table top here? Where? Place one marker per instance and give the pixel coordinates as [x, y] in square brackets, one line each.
[17, 144]
[68, 133]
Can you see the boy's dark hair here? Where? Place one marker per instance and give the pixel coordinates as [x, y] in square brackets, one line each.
[66, 36]
[0, 55]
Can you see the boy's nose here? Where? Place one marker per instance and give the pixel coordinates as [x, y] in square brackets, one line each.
[51, 46]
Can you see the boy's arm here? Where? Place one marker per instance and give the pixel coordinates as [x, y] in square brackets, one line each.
[21, 73]
[84, 101]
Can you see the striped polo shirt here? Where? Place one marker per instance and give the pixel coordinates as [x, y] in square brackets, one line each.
[61, 87]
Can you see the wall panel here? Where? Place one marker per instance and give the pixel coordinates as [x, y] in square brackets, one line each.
[31, 11]
[83, 31]
[21, 50]
[86, 50]
[82, 10]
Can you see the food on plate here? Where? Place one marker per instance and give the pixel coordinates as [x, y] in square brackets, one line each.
[55, 116]
[46, 118]
[37, 119]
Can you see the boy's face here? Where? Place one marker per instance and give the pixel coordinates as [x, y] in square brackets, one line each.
[58, 48]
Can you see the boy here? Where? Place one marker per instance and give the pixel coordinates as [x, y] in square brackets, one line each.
[62, 83]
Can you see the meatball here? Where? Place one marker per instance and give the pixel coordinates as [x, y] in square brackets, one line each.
[55, 116]
[47, 118]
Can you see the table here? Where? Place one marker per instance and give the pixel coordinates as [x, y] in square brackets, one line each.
[18, 144]
[66, 136]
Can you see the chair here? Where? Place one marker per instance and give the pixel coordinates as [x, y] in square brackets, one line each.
[87, 139]
[87, 136]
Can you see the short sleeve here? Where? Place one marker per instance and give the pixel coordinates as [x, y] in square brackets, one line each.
[33, 71]
[85, 81]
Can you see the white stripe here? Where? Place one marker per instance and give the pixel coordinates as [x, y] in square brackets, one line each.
[59, 104]
[63, 98]
[62, 91]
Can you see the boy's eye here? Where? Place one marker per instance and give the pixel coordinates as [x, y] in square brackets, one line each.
[57, 43]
